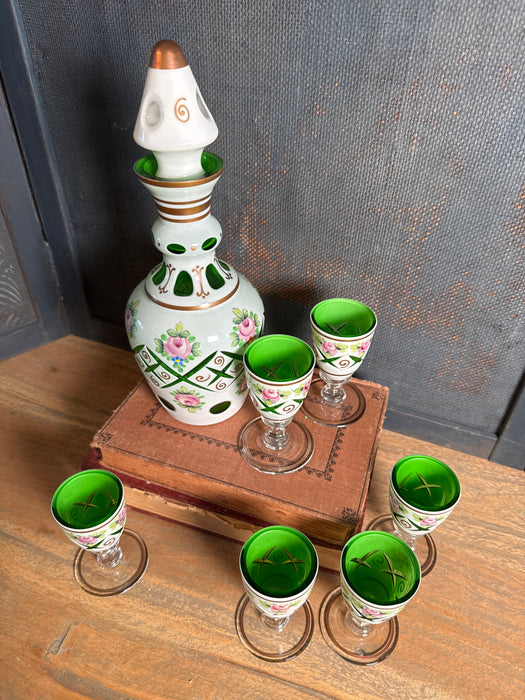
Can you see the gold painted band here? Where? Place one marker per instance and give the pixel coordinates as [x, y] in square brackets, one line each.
[194, 308]
[183, 211]
[180, 204]
[175, 220]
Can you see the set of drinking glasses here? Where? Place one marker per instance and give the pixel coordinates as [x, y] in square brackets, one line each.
[279, 373]
[380, 570]
[380, 573]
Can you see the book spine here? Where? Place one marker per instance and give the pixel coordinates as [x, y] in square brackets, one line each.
[155, 499]
[212, 523]
[262, 510]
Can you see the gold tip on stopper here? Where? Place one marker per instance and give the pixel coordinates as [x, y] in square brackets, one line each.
[167, 55]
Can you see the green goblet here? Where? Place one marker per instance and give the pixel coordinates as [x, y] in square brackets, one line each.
[423, 492]
[279, 371]
[379, 576]
[342, 330]
[90, 509]
[278, 567]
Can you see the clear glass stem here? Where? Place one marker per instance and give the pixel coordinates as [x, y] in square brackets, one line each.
[276, 437]
[360, 629]
[110, 557]
[405, 535]
[276, 624]
[332, 391]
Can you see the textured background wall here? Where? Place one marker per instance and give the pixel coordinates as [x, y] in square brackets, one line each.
[372, 149]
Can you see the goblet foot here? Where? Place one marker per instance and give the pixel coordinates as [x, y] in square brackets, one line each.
[279, 642]
[424, 549]
[366, 646]
[335, 415]
[115, 576]
[295, 453]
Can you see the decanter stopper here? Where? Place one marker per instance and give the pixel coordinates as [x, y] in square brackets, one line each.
[173, 120]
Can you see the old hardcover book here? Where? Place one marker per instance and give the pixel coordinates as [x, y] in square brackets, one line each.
[196, 475]
[167, 504]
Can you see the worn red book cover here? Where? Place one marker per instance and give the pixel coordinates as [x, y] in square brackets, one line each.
[201, 467]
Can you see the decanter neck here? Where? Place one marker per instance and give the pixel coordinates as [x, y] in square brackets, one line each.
[190, 275]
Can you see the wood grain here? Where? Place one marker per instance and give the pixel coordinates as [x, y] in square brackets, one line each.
[173, 635]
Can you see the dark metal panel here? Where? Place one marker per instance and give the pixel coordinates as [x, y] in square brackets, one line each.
[30, 123]
[457, 437]
[31, 309]
[510, 448]
[16, 305]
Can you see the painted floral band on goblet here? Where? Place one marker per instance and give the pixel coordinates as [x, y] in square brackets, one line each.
[423, 491]
[278, 566]
[279, 371]
[379, 576]
[90, 509]
[342, 330]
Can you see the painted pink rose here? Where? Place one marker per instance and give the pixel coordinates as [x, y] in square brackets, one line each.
[280, 607]
[187, 399]
[396, 505]
[86, 539]
[178, 347]
[242, 385]
[329, 348]
[306, 387]
[128, 320]
[122, 516]
[246, 329]
[370, 612]
[363, 347]
[428, 521]
[271, 395]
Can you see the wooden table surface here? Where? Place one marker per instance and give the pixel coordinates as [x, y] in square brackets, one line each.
[173, 635]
